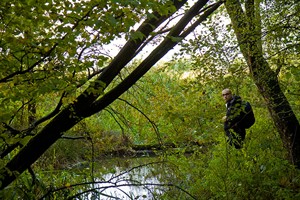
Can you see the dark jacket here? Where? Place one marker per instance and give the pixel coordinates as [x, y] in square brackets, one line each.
[234, 113]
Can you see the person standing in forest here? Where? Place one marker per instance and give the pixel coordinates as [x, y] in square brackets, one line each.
[233, 127]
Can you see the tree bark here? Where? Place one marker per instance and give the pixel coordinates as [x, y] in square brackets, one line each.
[248, 29]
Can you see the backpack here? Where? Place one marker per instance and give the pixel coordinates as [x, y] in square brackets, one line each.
[249, 119]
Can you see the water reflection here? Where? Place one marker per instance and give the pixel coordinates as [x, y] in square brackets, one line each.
[129, 182]
[134, 184]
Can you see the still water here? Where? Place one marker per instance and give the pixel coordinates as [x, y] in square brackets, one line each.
[126, 179]
[136, 184]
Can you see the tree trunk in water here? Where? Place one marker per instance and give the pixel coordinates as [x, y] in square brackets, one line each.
[247, 29]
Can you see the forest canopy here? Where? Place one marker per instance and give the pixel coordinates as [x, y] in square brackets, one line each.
[91, 74]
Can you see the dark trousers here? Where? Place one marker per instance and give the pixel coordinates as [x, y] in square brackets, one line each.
[236, 136]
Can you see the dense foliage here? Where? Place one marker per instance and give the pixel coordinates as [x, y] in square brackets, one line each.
[52, 52]
[189, 112]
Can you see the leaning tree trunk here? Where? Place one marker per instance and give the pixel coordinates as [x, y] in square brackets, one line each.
[88, 103]
[247, 29]
[79, 109]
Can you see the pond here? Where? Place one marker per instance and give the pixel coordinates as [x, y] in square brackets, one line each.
[119, 178]
[136, 183]
[138, 178]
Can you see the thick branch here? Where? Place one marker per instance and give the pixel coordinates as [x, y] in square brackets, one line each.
[157, 54]
[123, 57]
[76, 111]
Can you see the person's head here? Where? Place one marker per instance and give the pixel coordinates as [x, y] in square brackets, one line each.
[227, 94]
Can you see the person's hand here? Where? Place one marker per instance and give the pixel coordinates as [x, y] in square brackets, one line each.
[224, 119]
